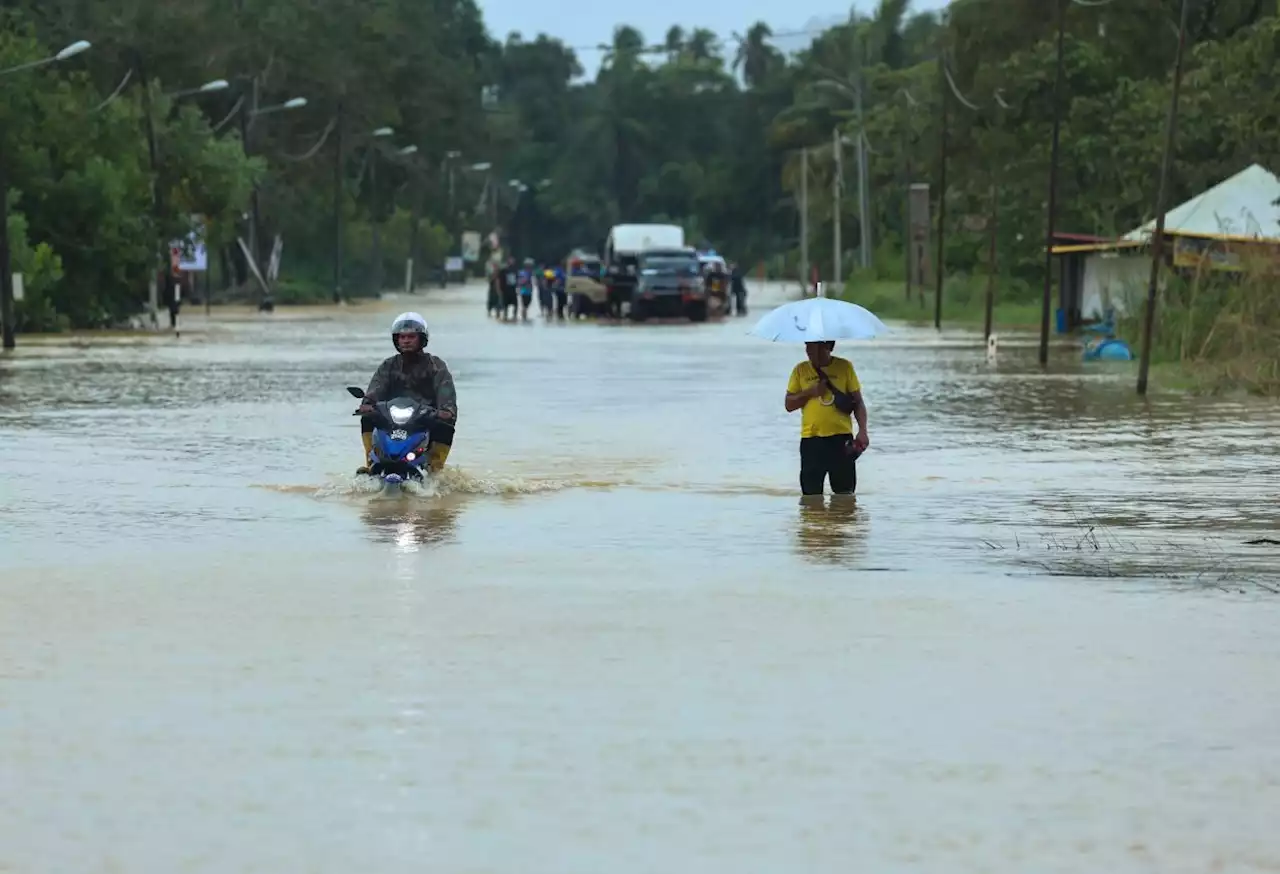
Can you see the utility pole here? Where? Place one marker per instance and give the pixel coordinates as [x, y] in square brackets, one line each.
[1046, 299]
[452, 212]
[157, 200]
[337, 208]
[908, 236]
[255, 217]
[6, 269]
[493, 201]
[864, 231]
[944, 92]
[835, 208]
[1157, 238]
[376, 215]
[415, 218]
[804, 220]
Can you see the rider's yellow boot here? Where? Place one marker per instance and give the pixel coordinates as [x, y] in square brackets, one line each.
[436, 457]
[366, 437]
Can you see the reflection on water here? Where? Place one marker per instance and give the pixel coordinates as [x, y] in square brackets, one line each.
[608, 636]
[831, 529]
[411, 521]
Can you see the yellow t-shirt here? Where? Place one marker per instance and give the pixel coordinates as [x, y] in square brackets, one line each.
[819, 416]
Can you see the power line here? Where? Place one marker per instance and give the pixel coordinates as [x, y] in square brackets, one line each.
[658, 48]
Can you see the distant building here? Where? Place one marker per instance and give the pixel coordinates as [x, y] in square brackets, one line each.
[1223, 229]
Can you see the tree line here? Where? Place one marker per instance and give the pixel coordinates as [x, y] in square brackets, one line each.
[419, 124]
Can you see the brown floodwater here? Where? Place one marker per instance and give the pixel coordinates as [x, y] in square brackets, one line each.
[612, 637]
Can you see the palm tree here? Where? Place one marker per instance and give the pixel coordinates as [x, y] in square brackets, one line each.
[703, 45]
[674, 43]
[755, 57]
[624, 53]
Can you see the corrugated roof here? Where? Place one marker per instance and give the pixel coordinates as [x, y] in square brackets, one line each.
[1242, 207]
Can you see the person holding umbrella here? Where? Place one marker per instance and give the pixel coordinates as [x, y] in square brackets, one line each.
[827, 392]
[825, 388]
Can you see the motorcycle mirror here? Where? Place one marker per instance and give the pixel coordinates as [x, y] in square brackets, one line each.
[355, 391]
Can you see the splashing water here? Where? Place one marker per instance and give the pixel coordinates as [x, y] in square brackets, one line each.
[451, 481]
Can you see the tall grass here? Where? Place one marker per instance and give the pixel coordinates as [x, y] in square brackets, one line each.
[963, 301]
[1223, 329]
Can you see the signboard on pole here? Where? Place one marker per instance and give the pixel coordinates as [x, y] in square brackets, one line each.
[454, 264]
[919, 221]
[471, 246]
[193, 256]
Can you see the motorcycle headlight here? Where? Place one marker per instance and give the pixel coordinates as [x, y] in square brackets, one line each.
[400, 415]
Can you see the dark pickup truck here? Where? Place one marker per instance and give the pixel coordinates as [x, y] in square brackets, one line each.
[669, 284]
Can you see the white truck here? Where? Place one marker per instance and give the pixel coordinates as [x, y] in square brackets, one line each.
[626, 243]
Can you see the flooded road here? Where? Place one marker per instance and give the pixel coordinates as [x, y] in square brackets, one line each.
[611, 638]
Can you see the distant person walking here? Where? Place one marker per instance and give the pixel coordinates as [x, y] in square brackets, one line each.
[558, 287]
[525, 286]
[826, 390]
[738, 286]
[495, 290]
[510, 280]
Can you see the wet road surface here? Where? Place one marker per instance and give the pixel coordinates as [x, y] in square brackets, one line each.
[612, 637]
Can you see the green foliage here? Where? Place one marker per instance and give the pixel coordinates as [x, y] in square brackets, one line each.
[1223, 328]
[41, 269]
[695, 129]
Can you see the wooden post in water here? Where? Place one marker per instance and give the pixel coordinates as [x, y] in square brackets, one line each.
[991, 264]
[906, 212]
[1157, 238]
[1046, 300]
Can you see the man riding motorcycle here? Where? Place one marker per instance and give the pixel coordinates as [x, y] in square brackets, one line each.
[416, 373]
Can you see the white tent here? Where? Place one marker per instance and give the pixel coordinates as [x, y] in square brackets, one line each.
[1242, 207]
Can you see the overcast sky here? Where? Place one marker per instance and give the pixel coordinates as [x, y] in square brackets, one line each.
[583, 23]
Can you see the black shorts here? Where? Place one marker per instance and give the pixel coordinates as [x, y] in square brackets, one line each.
[823, 458]
[508, 297]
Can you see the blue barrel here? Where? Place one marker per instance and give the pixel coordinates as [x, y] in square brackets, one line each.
[1061, 317]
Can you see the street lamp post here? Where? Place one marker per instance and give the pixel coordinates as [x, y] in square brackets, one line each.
[491, 190]
[246, 125]
[853, 91]
[449, 158]
[337, 199]
[520, 188]
[375, 208]
[157, 190]
[377, 226]
[7, 327]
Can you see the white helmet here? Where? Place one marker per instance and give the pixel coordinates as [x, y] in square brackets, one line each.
[410, 323]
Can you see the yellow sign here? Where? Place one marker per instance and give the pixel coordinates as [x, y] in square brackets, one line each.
[1232, 256]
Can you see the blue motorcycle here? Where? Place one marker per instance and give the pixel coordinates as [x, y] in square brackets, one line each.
[401, 438]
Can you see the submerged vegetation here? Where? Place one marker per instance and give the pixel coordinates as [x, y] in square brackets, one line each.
[1083, 543]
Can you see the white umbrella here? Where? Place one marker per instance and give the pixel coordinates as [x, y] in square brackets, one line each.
[819, 318]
